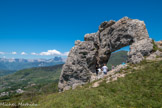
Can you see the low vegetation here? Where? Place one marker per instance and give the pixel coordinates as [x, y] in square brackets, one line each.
[140, 89]
[155, 47]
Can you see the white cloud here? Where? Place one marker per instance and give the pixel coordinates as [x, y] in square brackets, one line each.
[65, 54]
[33, 53]
[23, 53]
[14, 53]
[1, 53]
[51, 52]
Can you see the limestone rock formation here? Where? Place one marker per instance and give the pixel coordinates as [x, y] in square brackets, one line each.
[97, 47]
[154, 55]
[80, 63]
[140, 49]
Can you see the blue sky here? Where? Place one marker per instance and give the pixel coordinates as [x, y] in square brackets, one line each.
[49, 26]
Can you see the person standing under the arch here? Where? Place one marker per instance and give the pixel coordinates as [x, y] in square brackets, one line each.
[105, 69]
[112, 67]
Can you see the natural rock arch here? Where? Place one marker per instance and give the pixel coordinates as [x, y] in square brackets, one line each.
[97, 47]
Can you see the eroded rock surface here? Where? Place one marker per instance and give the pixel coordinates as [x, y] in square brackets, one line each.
[140, 49]
[97, 47]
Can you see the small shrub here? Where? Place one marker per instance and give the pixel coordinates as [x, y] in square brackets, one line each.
[143, 62]
[155, 47]
[160, 49]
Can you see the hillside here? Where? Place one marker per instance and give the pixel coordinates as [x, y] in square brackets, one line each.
[117, 58]
[6, 72]
[140, 89]
[30, 79]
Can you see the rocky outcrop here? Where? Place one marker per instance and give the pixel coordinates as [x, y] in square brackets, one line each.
[97, 47]
[81, 62]
[155, 55]
[140, 49]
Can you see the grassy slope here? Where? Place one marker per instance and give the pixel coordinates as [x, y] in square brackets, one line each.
[140, 89]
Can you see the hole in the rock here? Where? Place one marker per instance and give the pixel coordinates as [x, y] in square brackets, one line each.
[118, 57]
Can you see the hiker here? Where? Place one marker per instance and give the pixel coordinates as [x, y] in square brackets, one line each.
[112, 67]
[100, 74]
[99, 70]
[105, 69]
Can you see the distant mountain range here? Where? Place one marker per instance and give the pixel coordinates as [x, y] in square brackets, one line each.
[56, 59]
[18, 64]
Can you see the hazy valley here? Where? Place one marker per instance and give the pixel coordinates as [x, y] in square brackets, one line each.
[8, 66]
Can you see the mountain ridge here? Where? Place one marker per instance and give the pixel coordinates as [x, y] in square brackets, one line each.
[13, 65]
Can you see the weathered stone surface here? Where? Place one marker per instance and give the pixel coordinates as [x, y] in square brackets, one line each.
[154, 55]
[81, 62]
[90, 37]
[105, 25]
[97, 48]
[123, 33]
[140, 49]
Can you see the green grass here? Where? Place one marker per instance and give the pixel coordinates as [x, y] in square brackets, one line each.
[140, 89]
